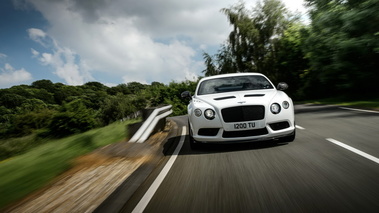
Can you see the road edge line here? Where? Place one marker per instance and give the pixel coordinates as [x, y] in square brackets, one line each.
[157, 182]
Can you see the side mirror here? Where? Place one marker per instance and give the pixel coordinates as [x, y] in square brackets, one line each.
[282, 86]
[186, 94]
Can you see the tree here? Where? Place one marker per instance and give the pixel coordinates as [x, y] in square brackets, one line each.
[116, 108]
[74, 117]
[95, 86]
[343, 47]
[252, 45]
[44, 84]
[121, 88]
[135, 87]
[291, 59]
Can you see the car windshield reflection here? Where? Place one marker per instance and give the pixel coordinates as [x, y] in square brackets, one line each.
[231, 84]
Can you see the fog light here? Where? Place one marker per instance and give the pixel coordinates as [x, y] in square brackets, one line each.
[285, 104]
[198, 112]
[209, 114]
[275, 108]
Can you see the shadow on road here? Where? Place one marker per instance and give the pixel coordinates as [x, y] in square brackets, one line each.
[172, 143]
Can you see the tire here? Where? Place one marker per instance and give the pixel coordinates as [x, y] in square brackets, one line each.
[193, 143]
[289, 138]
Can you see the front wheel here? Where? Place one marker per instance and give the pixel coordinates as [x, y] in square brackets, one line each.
[193, 144]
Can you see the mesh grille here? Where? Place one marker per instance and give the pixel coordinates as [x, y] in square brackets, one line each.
[243, 113]
[279, 125]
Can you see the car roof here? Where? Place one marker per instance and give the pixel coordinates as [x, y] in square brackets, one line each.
[231, 75]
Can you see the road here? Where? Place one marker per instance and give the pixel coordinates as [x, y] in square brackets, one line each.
[311, 174]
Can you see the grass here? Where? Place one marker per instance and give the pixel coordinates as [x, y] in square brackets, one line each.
[15, 146]
[28, 172]
[366, 104]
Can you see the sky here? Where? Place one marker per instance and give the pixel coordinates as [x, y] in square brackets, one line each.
[111, 41]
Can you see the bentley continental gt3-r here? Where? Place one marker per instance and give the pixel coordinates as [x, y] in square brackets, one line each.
[239, 107]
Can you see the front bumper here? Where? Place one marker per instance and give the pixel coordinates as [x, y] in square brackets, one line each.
[268, 132]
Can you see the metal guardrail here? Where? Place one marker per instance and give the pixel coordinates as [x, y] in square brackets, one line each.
[149, 124]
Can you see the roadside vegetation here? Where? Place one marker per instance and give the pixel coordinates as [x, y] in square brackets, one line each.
[333, 59]
[31, 115]
[334, 56]
[28, 172]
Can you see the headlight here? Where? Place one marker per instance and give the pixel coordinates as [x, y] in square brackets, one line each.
[209, 114]
[275, 108]
[198, 112]
[285, 104]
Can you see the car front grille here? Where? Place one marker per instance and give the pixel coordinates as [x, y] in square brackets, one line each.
[243, 113]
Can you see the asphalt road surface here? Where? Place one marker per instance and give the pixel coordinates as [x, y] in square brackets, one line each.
[332, 166]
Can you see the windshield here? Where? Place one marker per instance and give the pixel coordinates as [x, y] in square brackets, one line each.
[236, 83]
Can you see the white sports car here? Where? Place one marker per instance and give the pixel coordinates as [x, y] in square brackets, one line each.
[239, 107]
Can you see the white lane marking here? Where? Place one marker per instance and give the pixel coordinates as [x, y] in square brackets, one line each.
[299, 127]
[359, 110]
[359, 152]
[153, 188]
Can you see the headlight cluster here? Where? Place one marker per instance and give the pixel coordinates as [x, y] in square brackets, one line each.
[208, 113]
[275, 108]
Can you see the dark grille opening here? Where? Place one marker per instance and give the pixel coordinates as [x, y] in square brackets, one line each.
[245, 133]
[208, 131]
[243, 113]
[279, 125]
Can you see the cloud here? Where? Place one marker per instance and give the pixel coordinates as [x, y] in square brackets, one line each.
[64, 61]
[35, 53]
[2, 56]
[37, 35]
[129, 40]
[10, 76]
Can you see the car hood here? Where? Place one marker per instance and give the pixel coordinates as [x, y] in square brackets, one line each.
[223, 100]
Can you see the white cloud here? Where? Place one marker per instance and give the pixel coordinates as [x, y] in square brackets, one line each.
[65, 62]
[37, 35]
[35, 53]
[2, 56]
[130, 40]
[138, 40]
[10, 76]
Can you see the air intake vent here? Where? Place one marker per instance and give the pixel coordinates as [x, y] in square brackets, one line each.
[223, 98]
[245, 133]
[279, 125]
[254, 95]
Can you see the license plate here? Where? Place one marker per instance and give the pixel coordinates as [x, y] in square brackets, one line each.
[248, 125]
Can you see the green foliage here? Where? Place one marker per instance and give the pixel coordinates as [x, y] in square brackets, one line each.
[26, 173]
[58, 110]
[117, 107]
[172, 96]
[27, 123]
[73, 118]
[16, 146]
[291, 61]
[342, 47]
[252, 45]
